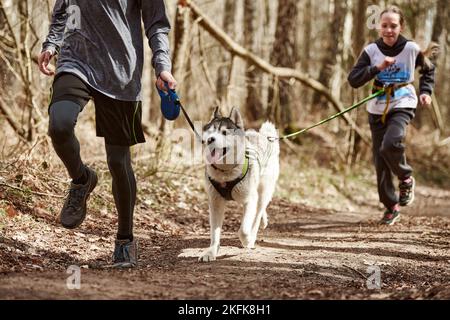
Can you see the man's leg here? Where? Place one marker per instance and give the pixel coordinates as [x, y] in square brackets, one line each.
[69, 95]
[124, 192]
[119, 122]
[63, 117]
[123, 187]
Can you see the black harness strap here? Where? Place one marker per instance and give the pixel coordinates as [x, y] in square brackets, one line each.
[225, 190]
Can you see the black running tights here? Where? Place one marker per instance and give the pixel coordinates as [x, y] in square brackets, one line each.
[63, 117]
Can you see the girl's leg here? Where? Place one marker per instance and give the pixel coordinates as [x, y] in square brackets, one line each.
[392, 148]
[386, 189]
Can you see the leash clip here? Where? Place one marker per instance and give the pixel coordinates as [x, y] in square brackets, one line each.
[389, 88]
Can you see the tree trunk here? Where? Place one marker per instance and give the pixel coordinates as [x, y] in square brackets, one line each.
[269, 21]
[441, 26]
[181, 35]
[305, 57]
[253, 104]
[26, 74]
[359, 23]
[359, 39]
[439, 20]
[334, 48]
[4, 78]
[284, 54]
[228, 27]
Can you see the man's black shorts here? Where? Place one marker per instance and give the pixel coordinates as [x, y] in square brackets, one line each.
[119, 122]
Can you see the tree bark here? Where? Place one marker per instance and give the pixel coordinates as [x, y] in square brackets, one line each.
[181, 35]
[224, 69]
[334, 48]
[4, 78]
[252, 75]
[359, 39]
[441, 16]
[284, 54]
[305, 57]
[359, 23]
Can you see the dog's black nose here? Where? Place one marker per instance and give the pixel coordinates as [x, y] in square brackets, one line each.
[211, 140]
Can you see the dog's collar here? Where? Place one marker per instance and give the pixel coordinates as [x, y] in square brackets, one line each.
[244, 168]
[218, 169]
[225, 189]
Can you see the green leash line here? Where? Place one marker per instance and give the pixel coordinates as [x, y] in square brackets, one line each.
[372, 96]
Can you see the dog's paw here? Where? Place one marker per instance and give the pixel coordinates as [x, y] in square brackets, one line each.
[247, 241]
[207, 256]
[249, 244]
[264, 220]
[265, 223]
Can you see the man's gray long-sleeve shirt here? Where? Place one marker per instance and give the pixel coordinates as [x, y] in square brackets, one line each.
[101, 42]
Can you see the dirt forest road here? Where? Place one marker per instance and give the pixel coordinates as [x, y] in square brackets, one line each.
[305, 253]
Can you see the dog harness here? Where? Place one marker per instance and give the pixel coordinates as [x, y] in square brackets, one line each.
[390, 93]
[225, 189]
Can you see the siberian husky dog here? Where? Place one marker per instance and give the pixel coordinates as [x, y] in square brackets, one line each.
[242, 166]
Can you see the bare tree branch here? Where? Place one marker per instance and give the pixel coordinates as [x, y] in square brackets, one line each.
[280, 72]
[204, 63]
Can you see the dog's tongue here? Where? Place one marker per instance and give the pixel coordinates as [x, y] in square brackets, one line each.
[213, 156]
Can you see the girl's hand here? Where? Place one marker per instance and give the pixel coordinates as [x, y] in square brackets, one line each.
[425, 100]
[167, 77]
[388, 61]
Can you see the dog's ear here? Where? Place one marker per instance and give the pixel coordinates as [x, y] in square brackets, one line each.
[216, 114]
[235, 116]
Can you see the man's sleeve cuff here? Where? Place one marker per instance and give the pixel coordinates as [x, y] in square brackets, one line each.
[160, 68]
[50, 47]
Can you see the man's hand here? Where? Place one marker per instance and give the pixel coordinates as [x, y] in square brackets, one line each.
[425, 100]
[167, 77]
[388, 61]
[44, 60]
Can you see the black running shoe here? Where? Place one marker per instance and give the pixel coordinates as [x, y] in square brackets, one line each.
[125, 254]
[74, 209]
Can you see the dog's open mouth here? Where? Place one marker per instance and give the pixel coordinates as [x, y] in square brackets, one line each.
[216, 154]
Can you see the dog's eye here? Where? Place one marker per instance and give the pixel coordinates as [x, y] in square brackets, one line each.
[224, 132]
